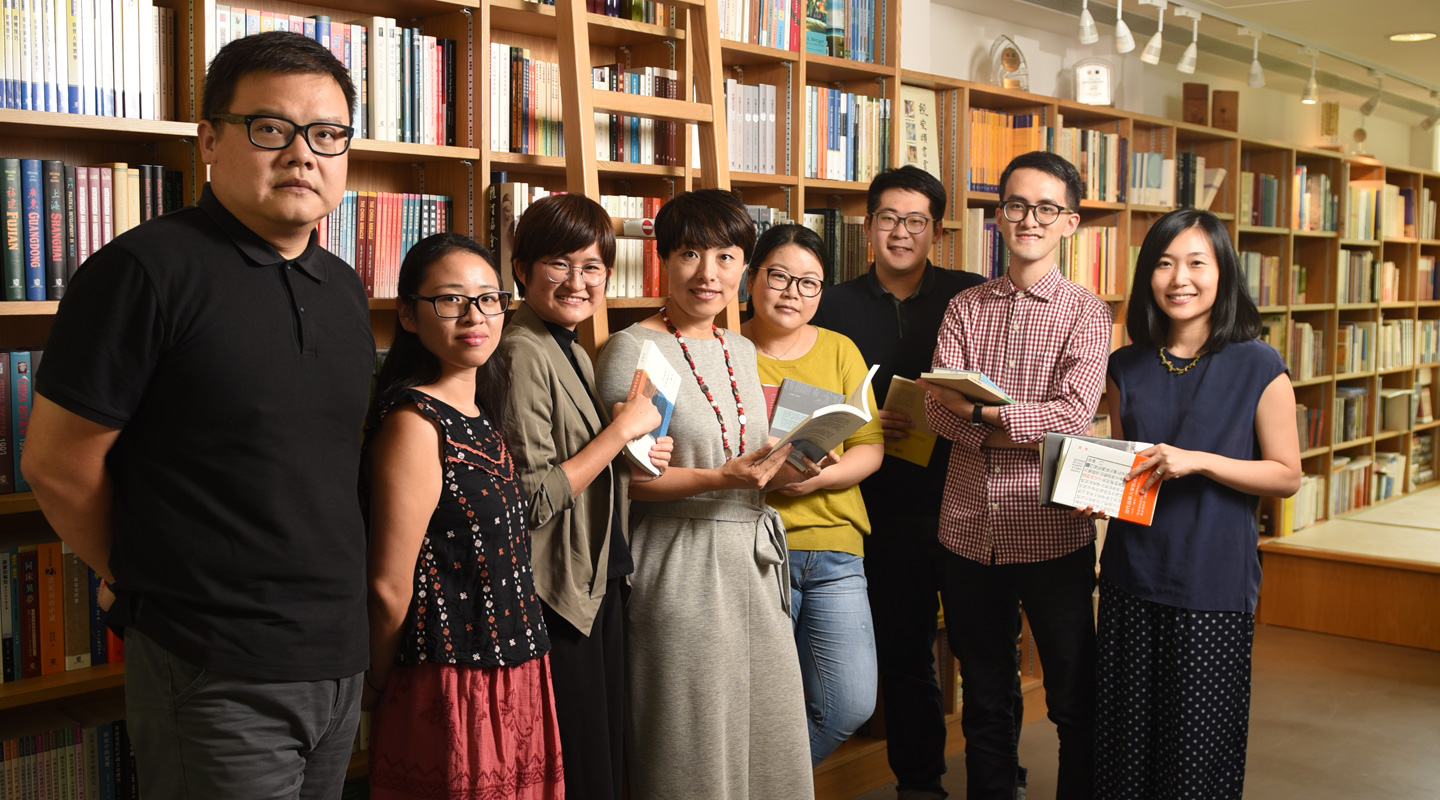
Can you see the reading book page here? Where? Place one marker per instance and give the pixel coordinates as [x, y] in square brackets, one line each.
[657, 380]
[907, 398]
[1092, 474]
[796, 401]
[828, 427]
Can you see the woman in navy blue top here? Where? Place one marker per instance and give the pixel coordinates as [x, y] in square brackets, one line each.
[1177, 598]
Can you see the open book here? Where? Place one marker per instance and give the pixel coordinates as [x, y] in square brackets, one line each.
[657, 380]
[1080, 471]
[971, 383]
[829, 426]
[907, 398]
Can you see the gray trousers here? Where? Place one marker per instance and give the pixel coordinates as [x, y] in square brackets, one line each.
[205, 735]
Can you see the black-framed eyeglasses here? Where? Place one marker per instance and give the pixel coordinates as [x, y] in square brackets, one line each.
[914, 223]
[590, 274]
[780, 280]
[454, 306]
[1045, 213]
[276, 133]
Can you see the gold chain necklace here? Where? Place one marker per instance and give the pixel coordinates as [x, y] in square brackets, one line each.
[788, 350]
[1174, 370]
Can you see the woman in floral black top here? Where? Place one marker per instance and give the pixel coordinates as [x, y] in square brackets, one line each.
[459, 677]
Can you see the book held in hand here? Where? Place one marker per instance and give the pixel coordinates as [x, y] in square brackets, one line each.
[907, 398]
[657, 380]
[1080, 471]
[827, 427]
[796, 400]
[971, 383]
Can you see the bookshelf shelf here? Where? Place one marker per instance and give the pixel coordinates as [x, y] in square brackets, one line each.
[1086, 205]
[1264, 229]
[1398, 304]
[50, 125]
[555, 166]
[1385, 435]
[1225, 215]
[374, 150]
[18, 503]
[745, 54]
[29, 308]
[1359, 242]
[1144, 209]
[1316, 381]
[1313, 307]
[1272, 309]
[1314, 234]
[1355, 306]
[820, 185]
[1345, 445]
[1313, 452]
[762, 179]
[61, 685]
[537, 19]
[829, 69]
[1425, 426]
[1396, 370]
[1350, 376]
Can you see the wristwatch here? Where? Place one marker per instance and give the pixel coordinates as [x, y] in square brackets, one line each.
[975, 416]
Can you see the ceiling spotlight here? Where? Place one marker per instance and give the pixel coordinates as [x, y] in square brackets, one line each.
[1257, 72]
[1124, 42]
[1088, 32]
[1312, 89]
[1373, 103]
[1192, 50]
[1151, 53]
[1419, 36]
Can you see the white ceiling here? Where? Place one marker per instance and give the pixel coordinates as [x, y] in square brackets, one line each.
[1345, 32]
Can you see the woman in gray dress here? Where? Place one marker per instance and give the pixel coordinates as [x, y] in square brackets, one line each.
[716, 707]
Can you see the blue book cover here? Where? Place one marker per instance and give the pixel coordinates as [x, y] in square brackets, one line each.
[19, 409]
[322, 29]
[73, 88]
[32, 224]
[99, 653]
[312, 29]
[105, 738]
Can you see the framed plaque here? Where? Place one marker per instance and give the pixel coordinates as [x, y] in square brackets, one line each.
[1094, 82]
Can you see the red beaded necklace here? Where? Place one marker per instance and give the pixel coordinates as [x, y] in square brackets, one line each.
[734, 387]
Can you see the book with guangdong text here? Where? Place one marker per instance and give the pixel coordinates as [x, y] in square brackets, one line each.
[971, 383]
[827, 427]
[1080, 471]
[657, 380]
[907, 398]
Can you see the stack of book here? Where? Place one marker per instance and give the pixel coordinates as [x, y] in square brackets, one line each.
[638, 272]
[1349, 483]
[1422, 459]
[844, 235]
[1355, 280]
[1260, 201]
[1362, 210]
[1350, 414]
[847, 135]
[1310, 424]
[623, 137]
[838, 28]
[1307, 351]
[82, 751]
[777, 25]
[372, 231]
[1152, 179]
[1354, 347]
[405, 81]
[1425, 279]
[1428, 341]
[1397, 343]
[17, 375]
[1273, 328]
[985, 251]
[50, 621]
[56, 216]
[750, 126]
[1100, 157]
[1262, 277]
[1316, 204]
[1425, 213]
[104, 59]
[1089, 259]
[525, 103]
[995, 137]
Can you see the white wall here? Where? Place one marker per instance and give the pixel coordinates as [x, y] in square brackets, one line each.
[954, 40]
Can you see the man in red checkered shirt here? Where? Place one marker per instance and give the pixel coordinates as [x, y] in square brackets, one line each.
[1045, 341]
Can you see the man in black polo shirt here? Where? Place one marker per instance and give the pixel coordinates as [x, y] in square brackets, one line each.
[893, 314]
[196, 440]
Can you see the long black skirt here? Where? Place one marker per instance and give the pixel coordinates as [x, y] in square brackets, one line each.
[1173, 705]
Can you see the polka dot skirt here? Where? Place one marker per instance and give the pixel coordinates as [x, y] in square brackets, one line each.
[1173, 709]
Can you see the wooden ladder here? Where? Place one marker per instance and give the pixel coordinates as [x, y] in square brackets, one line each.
[580, 101]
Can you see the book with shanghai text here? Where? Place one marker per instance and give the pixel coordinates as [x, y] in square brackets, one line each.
[971, 383]
[827, 427]
[657, 380]
[1080, 471]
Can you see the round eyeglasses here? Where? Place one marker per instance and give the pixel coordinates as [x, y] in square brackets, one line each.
[914, 223]
[454, 306]
[780, 280]
[1045, 213]
[276, 133]
[590, 274]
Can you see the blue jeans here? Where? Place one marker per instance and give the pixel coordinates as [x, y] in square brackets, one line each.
[836, 642]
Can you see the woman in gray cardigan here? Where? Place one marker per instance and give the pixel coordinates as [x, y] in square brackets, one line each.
[566, 455]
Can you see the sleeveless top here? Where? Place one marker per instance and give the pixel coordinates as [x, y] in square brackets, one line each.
[474, 601]
[1200, 552]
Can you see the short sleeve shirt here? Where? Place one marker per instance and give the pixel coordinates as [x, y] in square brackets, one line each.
[239, 381]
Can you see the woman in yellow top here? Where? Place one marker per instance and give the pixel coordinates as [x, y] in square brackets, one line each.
[825, 519]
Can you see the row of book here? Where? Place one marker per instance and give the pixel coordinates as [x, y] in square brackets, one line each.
[631, 139]
[839, 28]
[1090, 259]
[1361, 279]
[1360, 481]
[1316, 207]
[1398, 409]
[847, 135]
[525, 103]
[1362, 212]
[17, 377]
[750, 127]
[1422, 459]
[50, 621]
[109, 58]
[81, 754]
[1354, 346]
[405, 81]
[1307, 351]
[1304, 508]
[985, 250]
[1350, 414]
[638, 271]
[1262, 277]
[1396, 344]
[647, 11]
[844, 235]
[1196, 186]
[372, 232]
[1260, 200]
[1427, 343]
[1427, 284]
[56, 216]
[1310, 424]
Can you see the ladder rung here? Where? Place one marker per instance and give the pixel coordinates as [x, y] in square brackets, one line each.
[655, 107]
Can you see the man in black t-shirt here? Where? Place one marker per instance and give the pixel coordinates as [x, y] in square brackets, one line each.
[196, 438]
[893, 314]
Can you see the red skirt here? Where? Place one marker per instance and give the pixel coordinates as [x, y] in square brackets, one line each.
[457, 733]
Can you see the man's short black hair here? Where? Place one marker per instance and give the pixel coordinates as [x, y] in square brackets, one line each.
[275, 52]
[1052, 165]
[911, 178]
